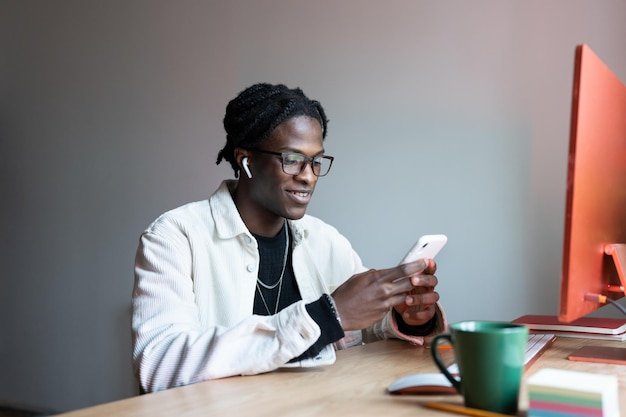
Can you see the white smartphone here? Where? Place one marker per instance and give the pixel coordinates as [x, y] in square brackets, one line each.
[426, 247]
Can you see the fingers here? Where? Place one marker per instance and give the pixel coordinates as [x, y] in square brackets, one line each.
[421, 266]
[424, 281]
[408, 278]
[415, 316]
[420, 307]
[406, 270]
[424, 299]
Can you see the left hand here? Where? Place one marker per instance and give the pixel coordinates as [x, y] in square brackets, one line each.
[419, 304]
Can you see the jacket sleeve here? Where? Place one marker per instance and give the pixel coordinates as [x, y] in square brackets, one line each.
[170, 345]
[388, 328]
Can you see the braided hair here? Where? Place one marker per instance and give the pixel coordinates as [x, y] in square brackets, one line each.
[256, 111]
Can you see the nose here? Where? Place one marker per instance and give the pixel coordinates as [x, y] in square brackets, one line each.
[307, 174]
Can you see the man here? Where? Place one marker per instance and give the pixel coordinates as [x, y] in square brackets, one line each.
[245, 282]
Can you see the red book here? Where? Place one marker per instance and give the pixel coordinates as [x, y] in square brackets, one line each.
[598, 325]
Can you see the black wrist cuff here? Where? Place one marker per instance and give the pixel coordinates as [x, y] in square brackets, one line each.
[322, 311]
[422, 330]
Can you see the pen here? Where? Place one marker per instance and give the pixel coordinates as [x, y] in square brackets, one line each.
[458, 409]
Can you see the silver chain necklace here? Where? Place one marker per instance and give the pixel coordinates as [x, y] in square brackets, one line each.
[280, 279]
[278, 283]
[280, 287]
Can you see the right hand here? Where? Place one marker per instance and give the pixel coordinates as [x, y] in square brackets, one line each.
[365, 298]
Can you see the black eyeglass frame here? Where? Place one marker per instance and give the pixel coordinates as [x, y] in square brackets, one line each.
[307, 159]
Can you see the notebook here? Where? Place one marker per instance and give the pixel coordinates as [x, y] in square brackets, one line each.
[600, 354]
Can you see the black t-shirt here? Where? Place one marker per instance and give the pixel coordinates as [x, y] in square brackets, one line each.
[272, 262]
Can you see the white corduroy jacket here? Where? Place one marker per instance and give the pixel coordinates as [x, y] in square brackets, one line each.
[195, 278]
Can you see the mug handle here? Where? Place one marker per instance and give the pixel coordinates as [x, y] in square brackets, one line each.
[435, 354]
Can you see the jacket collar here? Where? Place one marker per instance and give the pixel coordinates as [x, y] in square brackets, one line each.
[228, 222]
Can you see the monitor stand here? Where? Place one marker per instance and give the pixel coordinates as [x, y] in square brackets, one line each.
[607, 354]
[618, 252]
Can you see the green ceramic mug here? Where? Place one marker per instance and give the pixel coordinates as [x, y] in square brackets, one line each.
[490, 360]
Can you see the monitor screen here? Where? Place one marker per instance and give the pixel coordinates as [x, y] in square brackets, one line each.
[595, 212]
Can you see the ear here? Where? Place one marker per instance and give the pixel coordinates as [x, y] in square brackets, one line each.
[244, 165]
[242, 156]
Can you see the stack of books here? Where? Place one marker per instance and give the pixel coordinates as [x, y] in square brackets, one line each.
[585, 327]
[563, 393]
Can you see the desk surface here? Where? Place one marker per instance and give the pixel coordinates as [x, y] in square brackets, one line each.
[355, 385]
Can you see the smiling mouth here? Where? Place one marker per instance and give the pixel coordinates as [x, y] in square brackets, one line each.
[301, 196]
[300, 193]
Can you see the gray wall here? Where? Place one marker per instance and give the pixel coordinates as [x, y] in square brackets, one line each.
[446, 117]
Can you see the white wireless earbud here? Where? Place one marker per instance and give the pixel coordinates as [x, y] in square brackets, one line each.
[246, 168]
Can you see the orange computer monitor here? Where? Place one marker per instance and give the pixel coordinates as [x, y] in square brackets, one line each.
[594, 249]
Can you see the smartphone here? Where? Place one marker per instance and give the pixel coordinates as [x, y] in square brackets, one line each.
[426, 247]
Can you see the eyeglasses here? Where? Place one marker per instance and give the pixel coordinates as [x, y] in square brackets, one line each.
[295, 163]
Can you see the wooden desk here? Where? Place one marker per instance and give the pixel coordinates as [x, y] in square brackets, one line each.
[354, 386]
